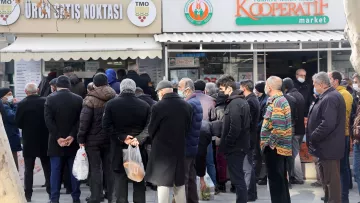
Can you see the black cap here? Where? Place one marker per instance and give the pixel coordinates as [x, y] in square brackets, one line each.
[53, 82]
[260, 87]
[4, 91]
[163, 84]
[100, 79]
[63, 82]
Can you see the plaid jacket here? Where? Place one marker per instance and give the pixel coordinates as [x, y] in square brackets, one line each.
[276, 131]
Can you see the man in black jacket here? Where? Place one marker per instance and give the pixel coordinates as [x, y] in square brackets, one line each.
[77, 86]
[133, 74]
[325, 130]
[296, 176]
[235, 139]
[305, 89]
[92, 136]
[247, 87]
[62, 112]
[125, 120]
[35, 135]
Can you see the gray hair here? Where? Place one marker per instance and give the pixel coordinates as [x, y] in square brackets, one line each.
[356, 75]
[127, 84]
[189, 83]
[31, 88]
[210, 88]
[300, 69]
[322, 78]
[248, 84]
[274, 82]
[133, 67]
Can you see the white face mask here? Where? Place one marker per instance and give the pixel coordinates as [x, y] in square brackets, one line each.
[266, 90]
[301, 80]
[356, 87]
[10, 98]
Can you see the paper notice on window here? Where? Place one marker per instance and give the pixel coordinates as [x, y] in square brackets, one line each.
[26, 72]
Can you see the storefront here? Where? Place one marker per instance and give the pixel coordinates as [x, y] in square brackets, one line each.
[253, 39]
[86, 35]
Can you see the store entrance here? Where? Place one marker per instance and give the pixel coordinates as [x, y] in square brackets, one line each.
[285, 64]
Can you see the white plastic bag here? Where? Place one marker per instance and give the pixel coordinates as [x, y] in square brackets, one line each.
[133, 164]
[81, 165]
[208, 194]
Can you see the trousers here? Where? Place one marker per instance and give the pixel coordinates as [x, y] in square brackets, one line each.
[250, 178]
[296, 171]
[29, 174]
[235, 163]
[164, 194]
[121, 189]
[330, 179]
[357, 164]
[190, 181]
[345, 172]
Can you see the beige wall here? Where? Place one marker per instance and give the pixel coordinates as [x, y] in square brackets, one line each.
[83, 26]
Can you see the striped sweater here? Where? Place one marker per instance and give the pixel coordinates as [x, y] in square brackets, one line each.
[276, 131]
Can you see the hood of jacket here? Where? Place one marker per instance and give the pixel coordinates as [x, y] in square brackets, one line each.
[111, 75]
[236, 94]
[221, 99]
[74, 79]
[99, 96]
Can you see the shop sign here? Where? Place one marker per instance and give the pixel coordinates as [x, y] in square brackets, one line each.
[198, 12]
[184, 62]
[9, 12]
[141, 12]
[280, 12]
[197, 55]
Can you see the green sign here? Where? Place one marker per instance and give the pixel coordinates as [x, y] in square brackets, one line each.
[283, 20]
[198, 12]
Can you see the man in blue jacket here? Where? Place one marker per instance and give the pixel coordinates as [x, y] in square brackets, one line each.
[112, 80]
[186, 90]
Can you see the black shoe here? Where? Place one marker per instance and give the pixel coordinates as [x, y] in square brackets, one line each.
[233, 189]
[220, 188]
[28, 199]
[53, 202]
[316, 184]
[105, 195]
[68, 191]
[43, 185]
[251, 200]
[87, 198]
[153, 187]
[262, 182]
[296, 182]
[323, 198]
[77, 201]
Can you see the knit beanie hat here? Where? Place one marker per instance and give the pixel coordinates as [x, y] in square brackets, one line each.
[100, 79]
[260, 87]
[53, 82]
[4, 91]
[63, 82]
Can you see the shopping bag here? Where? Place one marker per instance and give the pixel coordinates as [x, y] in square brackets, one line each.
[133, 164]
[208, 193]
[81, 165]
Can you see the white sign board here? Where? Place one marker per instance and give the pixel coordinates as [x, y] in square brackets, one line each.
[252, 15]
[25, 72]
[92, 66]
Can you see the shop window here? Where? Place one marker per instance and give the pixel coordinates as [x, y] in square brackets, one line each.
[341, 63]
[323, 61]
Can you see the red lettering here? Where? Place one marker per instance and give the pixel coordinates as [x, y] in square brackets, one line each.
[292, 7]
[260, 9]
[300, 9]
[240, 7]
[270, 9]
[322, 6]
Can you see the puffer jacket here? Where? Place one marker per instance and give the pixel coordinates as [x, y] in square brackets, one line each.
[11, 129]
[192, 140]
[77, 86]
[91, 132]
[216, 115]
[111, 75]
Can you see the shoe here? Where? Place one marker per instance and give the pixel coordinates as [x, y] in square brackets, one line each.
[290, 186]
[251, 200]
[68, 191]
[105, 195]
[77, 201]
[87, 199]
[316, 184]
[220, 188]
[28, 199]
[233, 189]
[153, 187]
[53, 202]
[323, 199]
[262, 182]
[43, 185]
[296, 182]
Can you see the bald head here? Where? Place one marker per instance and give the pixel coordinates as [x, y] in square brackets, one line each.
[31, 89]
[301, 75]
[273, 85]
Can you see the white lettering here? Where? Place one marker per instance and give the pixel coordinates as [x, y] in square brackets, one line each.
[61, 11]
[110, 12]
[48, 11]
[27, 9]
[86, 11]
[34, 10]
[121, 12]
[116, 11]
[41, 15]
[92, 11]
[72, 11]
[105, 11]
[56, 13]
[77, 11]
[98, 11]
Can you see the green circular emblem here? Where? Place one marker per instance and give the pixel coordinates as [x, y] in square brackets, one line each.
[198, 12]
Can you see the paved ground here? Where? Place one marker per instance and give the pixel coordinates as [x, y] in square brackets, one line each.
[299, 194]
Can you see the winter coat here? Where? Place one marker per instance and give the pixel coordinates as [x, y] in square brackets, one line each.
[153, 93]
[44, 86]
[207, 103]
[170, 125]
[262, 100]
[62, 112]
[326, 126]
[192, 140]
[255, 114]
[11, 129]
[204, 141]
[292, 102]
[125, 115]
[30, 118]
[111, 75]
[300, 109]
[348, 103]
[91, 132]
[307, 91]
[77, 87]
[236, 126]
[148, 99]
[216, 115]
[139, 81]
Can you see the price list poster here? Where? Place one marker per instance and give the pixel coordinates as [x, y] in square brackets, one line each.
[25, 72]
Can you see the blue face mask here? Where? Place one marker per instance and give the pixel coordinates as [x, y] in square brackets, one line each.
[315, 92]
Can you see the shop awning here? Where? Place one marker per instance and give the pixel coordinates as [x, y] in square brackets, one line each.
[47, 48]
[251, 37]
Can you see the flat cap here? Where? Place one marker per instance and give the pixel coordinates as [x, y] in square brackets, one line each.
[164, 84]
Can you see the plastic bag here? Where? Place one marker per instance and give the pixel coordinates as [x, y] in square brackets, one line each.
[133, 164]
[81, 165]
[208, 193]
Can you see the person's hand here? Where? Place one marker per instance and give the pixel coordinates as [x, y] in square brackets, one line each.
[15, 101]
[69, 140]
[202, 184]
[134, 142]
[128, 139]
[61, 142]
[81, 145]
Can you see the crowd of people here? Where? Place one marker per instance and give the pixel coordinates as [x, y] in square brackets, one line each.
[228, 130]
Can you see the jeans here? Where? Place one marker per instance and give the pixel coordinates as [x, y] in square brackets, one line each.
[296, 171]
[250, 178]
[277, 174]
[210, 166]
[357, 164]
[344, 172]
[190, 181]
[121, 189]
[55, 178]
[29, 174]
[100, 167]
[235, 163]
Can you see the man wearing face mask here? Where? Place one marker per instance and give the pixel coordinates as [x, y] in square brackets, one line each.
[304, 88]
[276, 136]
[169, 127]
[235, 138]
[186, 90]
[8, 111]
